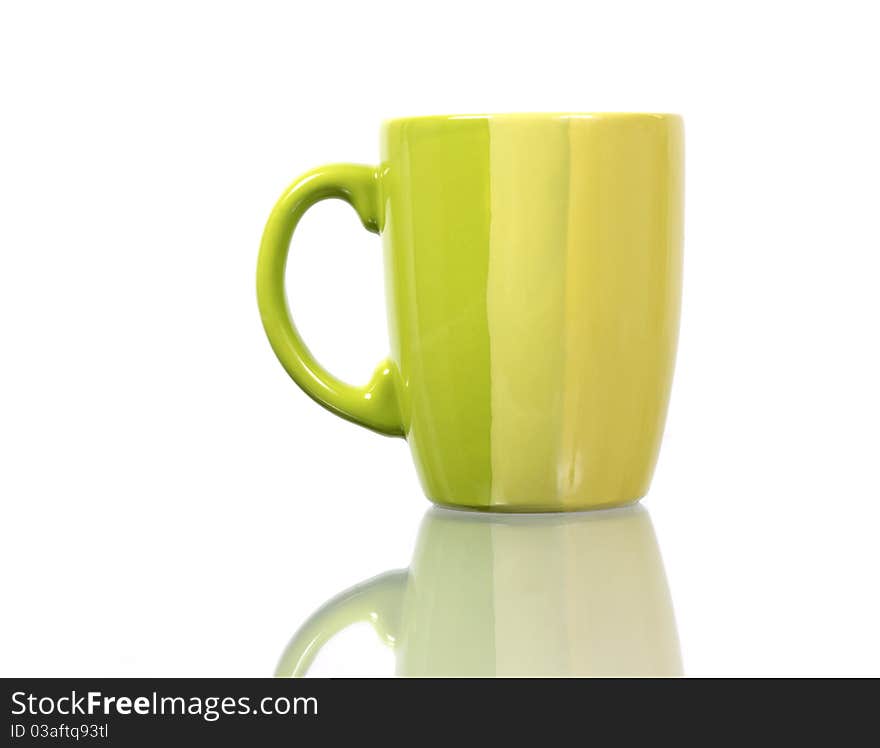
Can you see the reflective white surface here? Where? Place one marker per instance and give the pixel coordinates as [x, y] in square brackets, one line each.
[553, 595]
[171, 505]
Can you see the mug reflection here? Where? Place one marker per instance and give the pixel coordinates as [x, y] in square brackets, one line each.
[515, 595]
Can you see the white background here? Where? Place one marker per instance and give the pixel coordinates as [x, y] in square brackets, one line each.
[173, 505]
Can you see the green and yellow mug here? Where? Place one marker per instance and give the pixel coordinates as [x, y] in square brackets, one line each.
[533, 277]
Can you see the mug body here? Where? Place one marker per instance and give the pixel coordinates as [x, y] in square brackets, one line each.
[533, 277]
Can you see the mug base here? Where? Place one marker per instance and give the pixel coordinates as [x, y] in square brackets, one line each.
[537, 507]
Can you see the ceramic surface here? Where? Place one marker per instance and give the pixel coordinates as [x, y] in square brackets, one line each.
[533, 277]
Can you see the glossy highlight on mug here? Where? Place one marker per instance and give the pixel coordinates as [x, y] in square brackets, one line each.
[533, 276]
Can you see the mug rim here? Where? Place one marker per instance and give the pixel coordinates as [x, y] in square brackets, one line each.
[427, 118]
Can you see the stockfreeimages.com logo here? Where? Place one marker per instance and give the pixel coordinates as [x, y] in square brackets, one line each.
[209, 708]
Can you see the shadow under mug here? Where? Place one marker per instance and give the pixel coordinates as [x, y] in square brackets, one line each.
[495, 595]
[533, 281]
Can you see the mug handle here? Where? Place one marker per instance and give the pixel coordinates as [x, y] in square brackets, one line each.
[374, 406]
[378, 600]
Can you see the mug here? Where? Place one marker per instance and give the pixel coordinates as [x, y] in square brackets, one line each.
[533, 281]
[503, 595]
